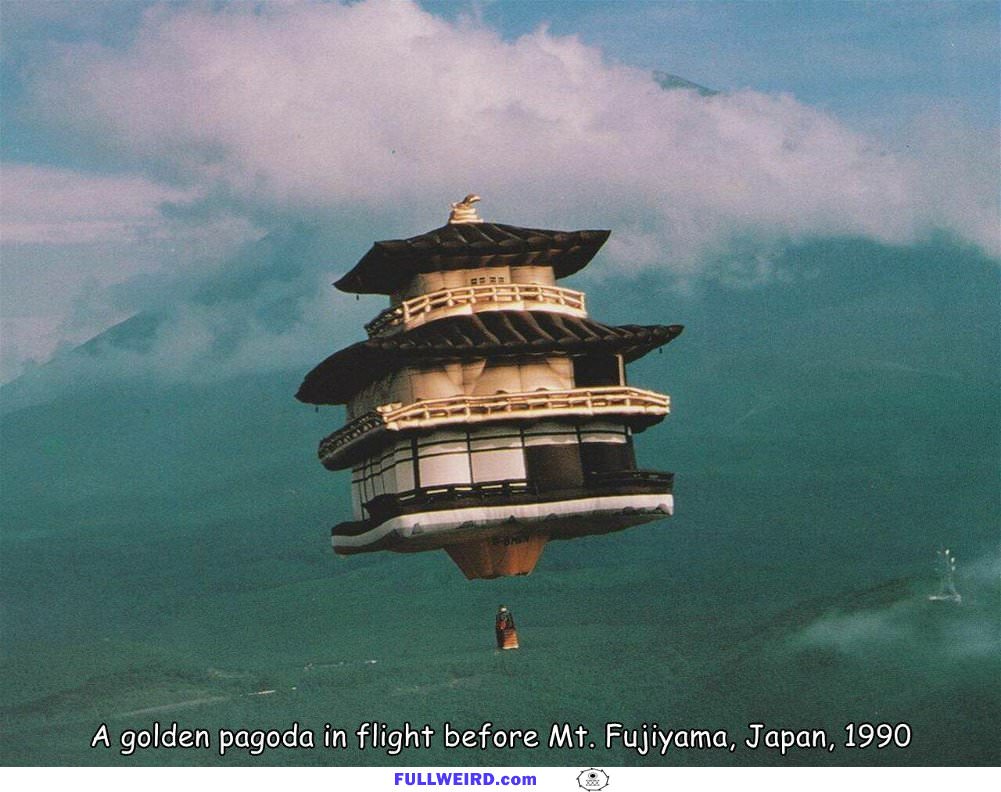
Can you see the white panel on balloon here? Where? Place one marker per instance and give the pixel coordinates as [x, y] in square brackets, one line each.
[442, 442]
[600, 432]
[499, 465]
[445, 469]
[550, 433]
[490, 441]
[404, 476]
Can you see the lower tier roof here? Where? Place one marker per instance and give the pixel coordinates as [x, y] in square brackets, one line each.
[490, 334]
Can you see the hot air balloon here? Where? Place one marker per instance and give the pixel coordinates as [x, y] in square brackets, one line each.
[487, 413]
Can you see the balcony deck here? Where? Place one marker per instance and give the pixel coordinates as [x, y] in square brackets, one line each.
[640, 408]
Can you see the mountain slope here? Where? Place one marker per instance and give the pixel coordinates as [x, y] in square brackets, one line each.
[165, 542]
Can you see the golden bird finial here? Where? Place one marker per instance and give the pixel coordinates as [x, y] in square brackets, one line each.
[464, 211]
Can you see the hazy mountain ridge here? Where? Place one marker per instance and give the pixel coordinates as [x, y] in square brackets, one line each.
[671, 82]
[830, 430]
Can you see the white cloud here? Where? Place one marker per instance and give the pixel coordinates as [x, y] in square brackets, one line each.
[318, 107]
[375, 115]
[69, 237]
[930, 630]
[58, 206]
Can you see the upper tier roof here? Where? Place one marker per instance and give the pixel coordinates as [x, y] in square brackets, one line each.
[491, 334]
[391, 264]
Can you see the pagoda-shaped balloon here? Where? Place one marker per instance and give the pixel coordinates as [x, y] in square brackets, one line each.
[487, 413]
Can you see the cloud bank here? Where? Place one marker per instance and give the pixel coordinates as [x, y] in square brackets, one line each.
[318, 107]
[924, 629]
[369, 118]
[77, 248]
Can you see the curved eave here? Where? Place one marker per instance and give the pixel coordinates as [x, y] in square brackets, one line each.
[389, 265]
[494, 335]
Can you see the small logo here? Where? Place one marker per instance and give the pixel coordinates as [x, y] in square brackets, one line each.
[592, 779]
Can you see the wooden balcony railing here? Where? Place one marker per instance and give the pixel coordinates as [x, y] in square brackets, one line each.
[382, 507]
[613, 401]
[467, 299]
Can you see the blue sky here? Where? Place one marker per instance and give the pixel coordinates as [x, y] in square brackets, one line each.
[870, 61]
[146, 145]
